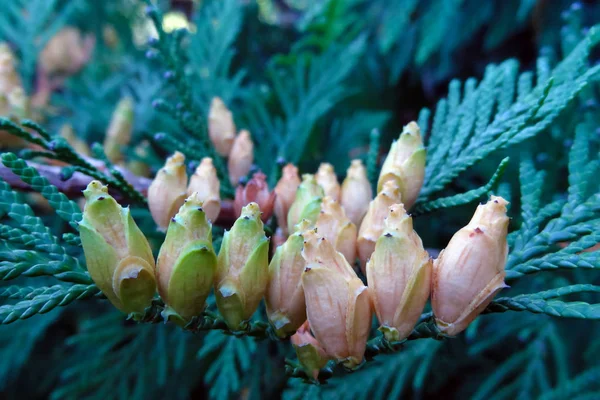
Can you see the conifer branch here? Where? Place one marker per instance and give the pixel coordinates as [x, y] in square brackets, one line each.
[73, 186]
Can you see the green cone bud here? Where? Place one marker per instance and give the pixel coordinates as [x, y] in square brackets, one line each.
[118, 256]
[405, 165]
[307, 204]
[186, 264]
[286, 307]
[242, 268]
[309, 351]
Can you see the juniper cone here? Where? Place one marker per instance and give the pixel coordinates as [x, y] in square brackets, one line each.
[242, 268]
[373, 223]
[356, 192]
[118, 256]
[399, 276]
[186, 264]
[327, 179]
[205, 183]
[168, 190]
[286, 307]
[307, 204]
[241, 157]
[405, 164]
[470, 271]
[338, 305]
[221, 128]
[333, 225]
[285, 194]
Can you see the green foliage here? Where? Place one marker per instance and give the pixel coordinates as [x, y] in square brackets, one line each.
[545, 302]
[491, 116]
[30, 249]
[327, 80]
[305, 92]
[41, 300]
[466, 197]
[17, 345]
[111, 360]
[211, 53]
[57, 148]
[67, 209]
[573, 222]
[233, 360]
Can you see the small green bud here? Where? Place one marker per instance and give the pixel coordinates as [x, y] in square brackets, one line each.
[242, 268]
[284, 299]
[307, 204]
[309, 351]
[405, 165]
[186, 264]
[118, 256]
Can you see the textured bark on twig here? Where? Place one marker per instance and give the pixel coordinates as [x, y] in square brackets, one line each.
[73, 186]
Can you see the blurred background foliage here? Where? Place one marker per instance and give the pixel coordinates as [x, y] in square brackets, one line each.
[311, 80]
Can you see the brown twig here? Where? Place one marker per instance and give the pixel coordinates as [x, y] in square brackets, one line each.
[73, 186]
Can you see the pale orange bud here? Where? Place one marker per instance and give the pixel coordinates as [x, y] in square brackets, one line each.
[356, 192]
[67, 52]
[118, 134]
[333, 224]
[372, 224]
[338, 305]
[309, 351]
[319, 250]
[339, 312]
[285, 296]
[206, 184]
[327, 179]
[255, 191]
[470, 271]
[405, 164]
[399, 276]
[286, 194]
[221, 128]
[241, 157]
[168, 190]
